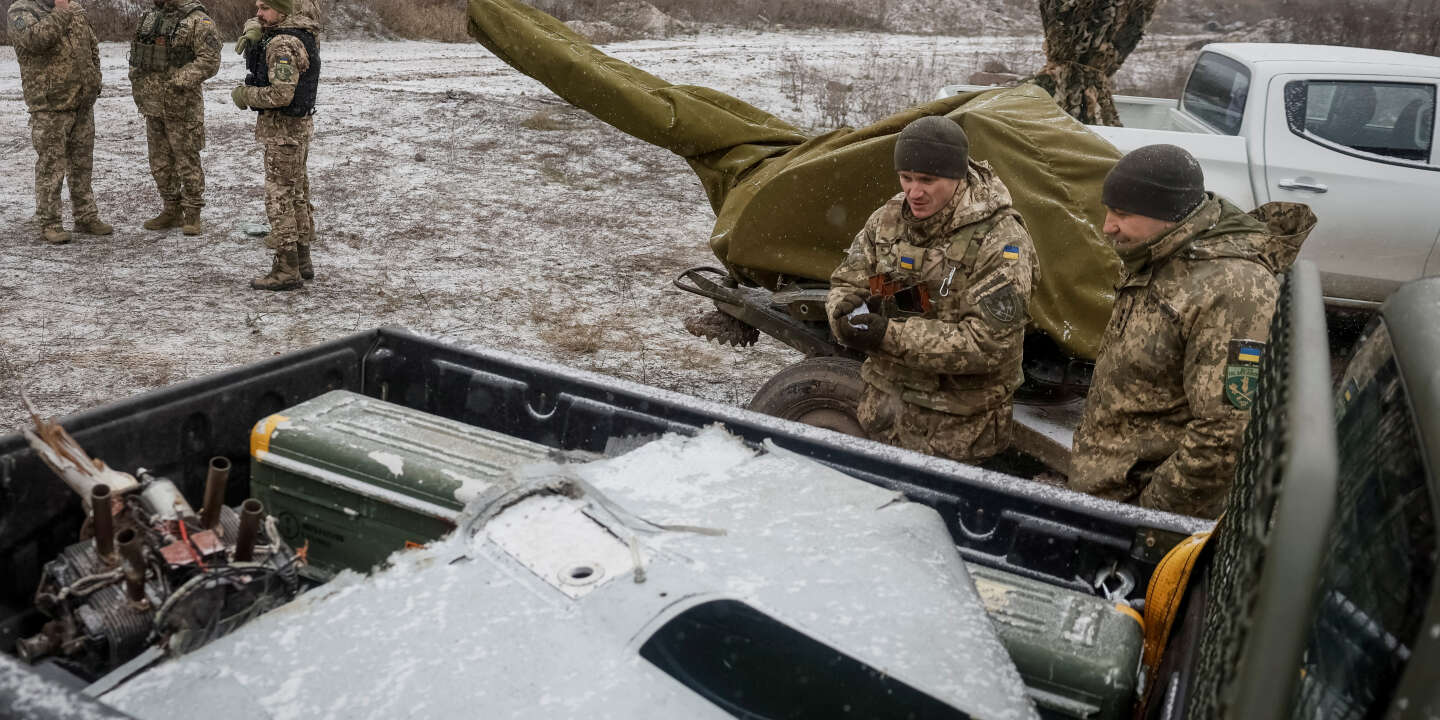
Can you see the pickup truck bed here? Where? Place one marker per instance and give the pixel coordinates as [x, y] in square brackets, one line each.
[1048, 534]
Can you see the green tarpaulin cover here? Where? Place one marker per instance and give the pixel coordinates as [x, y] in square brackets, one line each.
[788, 205]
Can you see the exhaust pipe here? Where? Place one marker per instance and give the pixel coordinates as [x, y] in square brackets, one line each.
[250, 514]
[133, 554]
[32, 649]
[215, 482]
[102, 522]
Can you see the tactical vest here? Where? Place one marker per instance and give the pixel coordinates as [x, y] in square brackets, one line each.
[153, 48]
[961, 254]
[259, 71]
[952, 296]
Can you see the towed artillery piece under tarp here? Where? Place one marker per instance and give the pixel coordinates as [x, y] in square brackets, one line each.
[787, 205]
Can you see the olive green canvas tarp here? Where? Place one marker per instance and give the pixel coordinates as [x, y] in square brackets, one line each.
[788, 205]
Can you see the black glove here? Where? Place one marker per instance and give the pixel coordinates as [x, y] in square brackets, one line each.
[848, 304]
[862, 332]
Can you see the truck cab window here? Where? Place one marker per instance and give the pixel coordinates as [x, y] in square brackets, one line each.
[1216, 93]
[1380, 560]
[1395, 120]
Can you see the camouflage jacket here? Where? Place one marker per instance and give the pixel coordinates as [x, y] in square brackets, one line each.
[285, 56]
[58, 55]
[1177, 368]
[977, 262]
[183, 52]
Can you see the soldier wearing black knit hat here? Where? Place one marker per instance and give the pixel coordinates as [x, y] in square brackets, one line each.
[1178, 366]
[934, 292]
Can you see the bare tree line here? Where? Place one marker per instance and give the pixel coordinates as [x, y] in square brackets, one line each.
[1404, 25]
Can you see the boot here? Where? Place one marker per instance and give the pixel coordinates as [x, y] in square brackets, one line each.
[93, 226]
[55, 235]
[307, 271]
[284, 273]
[192, 224]
[168, 218]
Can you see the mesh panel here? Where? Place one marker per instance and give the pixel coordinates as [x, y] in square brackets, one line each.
[1242, 535]
[1380, 556]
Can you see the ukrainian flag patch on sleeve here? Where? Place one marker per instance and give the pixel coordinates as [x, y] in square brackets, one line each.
[1242, 372]
[1011, 252]
[907, 262]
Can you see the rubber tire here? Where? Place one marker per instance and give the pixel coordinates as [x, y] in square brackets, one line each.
[819, 391]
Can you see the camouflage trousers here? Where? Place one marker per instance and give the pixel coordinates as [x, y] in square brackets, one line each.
[966, 438]
[287, 196]
[64, 155]
[175, 147]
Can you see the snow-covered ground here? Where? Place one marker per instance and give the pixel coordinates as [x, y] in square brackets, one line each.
[453, 196]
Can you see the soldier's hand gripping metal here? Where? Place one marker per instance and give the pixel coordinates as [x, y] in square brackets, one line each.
[857, 328]
[848, 304]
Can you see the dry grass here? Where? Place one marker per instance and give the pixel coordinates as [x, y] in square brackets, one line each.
[795, 13]
[117, 21]
[1161, 75]
[442, 20]
[565, 333]
[875, 85]
[571, 336]
[1404, 25]
[548, 120]
[1407, 25]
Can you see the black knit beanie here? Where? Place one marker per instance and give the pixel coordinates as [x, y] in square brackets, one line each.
[934, 145]
[1158, 181]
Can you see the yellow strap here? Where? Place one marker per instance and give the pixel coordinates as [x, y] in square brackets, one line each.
[1129, 612]
[1164, 594]
[260, 436]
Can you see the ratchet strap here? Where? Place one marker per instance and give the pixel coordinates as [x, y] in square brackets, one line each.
[1164, 594]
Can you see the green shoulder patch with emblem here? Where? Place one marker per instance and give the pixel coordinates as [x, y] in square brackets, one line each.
[19, 22]
[1242, 372]
[1003, 304]
[283, 71]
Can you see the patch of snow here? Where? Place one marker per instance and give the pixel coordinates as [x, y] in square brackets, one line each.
[392, 462]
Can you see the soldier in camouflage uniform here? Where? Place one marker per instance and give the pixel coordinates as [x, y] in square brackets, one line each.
[283, 59]
[60, 74]
[1179, 361]
[934, 290]
[176, 49]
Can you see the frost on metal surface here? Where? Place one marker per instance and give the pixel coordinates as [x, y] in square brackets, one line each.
[469, 625]
[552, 537]
[27, 695]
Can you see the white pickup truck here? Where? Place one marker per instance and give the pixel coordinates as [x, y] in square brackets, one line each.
[1349, 131]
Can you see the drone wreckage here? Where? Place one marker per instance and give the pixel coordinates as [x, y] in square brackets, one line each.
[149, 571]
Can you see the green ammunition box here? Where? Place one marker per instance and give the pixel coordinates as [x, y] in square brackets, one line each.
[355, 478]
[1079, 654]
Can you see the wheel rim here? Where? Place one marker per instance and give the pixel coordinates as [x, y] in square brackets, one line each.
[830, 418]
